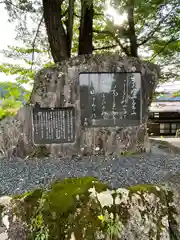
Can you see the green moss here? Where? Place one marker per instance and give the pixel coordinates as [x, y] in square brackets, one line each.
[64, 198]
[30, 196]
[128, 153]
[56, 209]
[142, 188]
[65, 191]
[132, 153]
[66, 207]
[149, 188]
[26, 204]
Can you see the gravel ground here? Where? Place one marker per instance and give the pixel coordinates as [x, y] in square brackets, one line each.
[18, 176]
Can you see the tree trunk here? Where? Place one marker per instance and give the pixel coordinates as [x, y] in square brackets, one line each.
[69, 25]
[132, 32]
[56, 33]
[86, 28]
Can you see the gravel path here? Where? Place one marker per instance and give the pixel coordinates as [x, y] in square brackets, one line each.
[17, 176]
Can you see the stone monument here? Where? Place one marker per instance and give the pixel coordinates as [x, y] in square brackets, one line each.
[94, 104]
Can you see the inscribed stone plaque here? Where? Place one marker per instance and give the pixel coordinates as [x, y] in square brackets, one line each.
[53, 125]
[110, 99]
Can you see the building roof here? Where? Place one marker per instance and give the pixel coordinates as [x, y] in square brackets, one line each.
[165, 106]
[167, 97]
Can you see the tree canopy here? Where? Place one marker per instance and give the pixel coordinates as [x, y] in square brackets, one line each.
[55, 30]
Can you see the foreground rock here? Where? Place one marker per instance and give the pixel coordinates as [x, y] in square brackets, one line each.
[84, 208]
[58, 86]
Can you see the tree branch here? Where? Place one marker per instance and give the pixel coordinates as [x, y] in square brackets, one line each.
[162, 49]
[105, 47]
[10, 3]
[151, 34]
[106, 32]
[98, 14]
[34, 40]
[16, 7]
[95, 14]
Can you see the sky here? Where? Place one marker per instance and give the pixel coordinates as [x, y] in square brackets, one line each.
[8, 38]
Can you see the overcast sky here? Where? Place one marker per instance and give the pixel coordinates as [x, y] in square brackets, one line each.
[8, 36]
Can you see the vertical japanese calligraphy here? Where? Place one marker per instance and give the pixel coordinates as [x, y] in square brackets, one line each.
[110, 99]
[53, 125]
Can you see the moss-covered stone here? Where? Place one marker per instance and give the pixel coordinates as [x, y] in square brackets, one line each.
[149, 188]
[85, 208]
[66, 208]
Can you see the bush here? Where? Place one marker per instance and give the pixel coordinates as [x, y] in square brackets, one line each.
[9, 107]
[10, 103]
[7, 112]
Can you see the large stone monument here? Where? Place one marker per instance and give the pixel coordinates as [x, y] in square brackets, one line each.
[94, 104]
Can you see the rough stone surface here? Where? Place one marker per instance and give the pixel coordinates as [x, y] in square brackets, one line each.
[58, 86]
[173, 183]
[85, 208]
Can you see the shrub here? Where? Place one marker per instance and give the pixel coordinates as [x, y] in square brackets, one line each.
[7, 112]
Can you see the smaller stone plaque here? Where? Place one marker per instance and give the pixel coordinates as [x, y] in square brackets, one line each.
[53, 125]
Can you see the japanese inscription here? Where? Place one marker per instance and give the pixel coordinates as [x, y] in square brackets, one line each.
[53, 125]
[110, 99]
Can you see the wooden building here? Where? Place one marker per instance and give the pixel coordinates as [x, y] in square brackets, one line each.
[164, 117]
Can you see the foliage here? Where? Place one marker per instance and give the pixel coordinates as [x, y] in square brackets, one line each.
[156, 25]
[7, 113]
[12, 97]
[113, 226]
[176, 94]
[37, 225]
[10, 103]
[157, 94]
[16, 69]
[9, 107]
[13, 91]
[23, 74]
